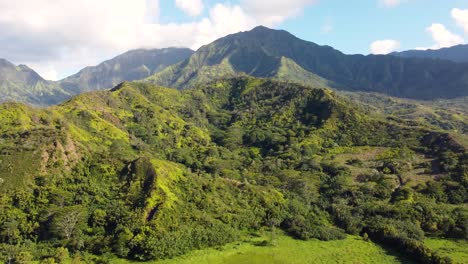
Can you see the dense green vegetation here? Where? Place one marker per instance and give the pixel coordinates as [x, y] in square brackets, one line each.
[443, 115]
[264, 52]
[147, 173]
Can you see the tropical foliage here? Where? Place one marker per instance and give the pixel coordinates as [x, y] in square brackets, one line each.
[145, 172]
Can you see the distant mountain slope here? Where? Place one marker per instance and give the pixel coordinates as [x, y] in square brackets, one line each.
[22, 84]
[263, 52]
[457, 53]
[130, 66]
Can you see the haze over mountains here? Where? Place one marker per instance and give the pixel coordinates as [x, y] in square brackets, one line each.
[132, 65]
[261, 52]
[22, 84]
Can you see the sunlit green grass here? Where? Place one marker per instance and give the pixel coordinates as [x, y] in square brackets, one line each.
[290, 251]
[456, 249]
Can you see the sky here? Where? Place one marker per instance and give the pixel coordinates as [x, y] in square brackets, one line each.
[57, 38]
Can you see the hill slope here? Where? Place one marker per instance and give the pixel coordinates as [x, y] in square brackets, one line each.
[146, 172]
[457, 53]
[263, 52]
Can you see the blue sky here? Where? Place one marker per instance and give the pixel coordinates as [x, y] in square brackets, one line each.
[59, 37]
[351, 26]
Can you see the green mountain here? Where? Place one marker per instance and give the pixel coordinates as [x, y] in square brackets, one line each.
[130, 66]
[457, 53]
[144, 172]
[264, 52]
[22, 84]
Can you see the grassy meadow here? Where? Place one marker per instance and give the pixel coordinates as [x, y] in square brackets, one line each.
[456, 249]
[287, 250]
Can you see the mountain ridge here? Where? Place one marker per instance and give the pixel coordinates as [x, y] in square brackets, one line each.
[132, 65]
[458, 53]
[258, 53]
[22, 84]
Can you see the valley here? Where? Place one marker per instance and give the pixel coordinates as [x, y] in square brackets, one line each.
[257, 147]
[146, 173]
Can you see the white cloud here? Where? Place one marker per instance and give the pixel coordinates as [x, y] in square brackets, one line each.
[442, 37]
[64, 36]
[48, 72]
[53, 32]
[391, 3]
[191, 7]
[461, 17]
[384, 46]
[273, 12]
[222, 20]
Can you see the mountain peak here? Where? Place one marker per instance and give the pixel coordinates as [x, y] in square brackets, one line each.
[259, 31]
[262, 28]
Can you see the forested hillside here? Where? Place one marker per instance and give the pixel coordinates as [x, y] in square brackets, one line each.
[144, 172]
[449, 115]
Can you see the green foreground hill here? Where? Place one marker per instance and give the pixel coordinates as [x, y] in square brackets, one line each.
[144, 173]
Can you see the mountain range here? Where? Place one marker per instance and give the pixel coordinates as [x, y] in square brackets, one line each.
[457, 53]
[22, 84]
[261, 52]
[143, 172]
[132, 65]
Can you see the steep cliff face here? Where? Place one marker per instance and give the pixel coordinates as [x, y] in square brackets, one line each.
[130, 66]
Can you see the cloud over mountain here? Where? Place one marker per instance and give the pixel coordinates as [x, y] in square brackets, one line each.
[67, 35]
[384, 46]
